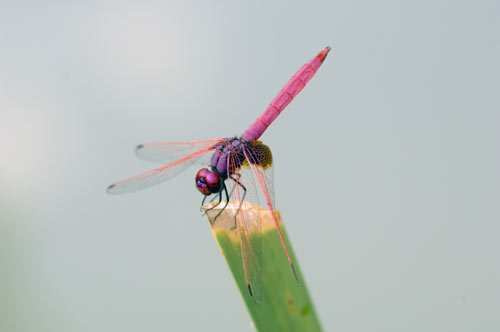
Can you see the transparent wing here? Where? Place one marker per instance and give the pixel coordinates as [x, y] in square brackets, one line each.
[260, 160]
[243, 191]
[167, 152]
[158, 175]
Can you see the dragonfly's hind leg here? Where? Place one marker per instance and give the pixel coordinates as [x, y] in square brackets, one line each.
[236, 180]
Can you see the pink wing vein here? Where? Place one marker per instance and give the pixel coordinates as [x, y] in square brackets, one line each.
[157, 175]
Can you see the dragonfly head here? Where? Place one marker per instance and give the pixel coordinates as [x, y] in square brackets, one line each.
[208, 182]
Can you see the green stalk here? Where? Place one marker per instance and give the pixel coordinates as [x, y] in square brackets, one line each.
[285, 305]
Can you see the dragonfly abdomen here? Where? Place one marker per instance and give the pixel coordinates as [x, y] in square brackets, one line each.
[285, 96]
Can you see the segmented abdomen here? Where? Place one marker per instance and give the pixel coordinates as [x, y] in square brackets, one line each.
[285, 96]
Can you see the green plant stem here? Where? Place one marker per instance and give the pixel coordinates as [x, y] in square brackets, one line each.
[285, 305]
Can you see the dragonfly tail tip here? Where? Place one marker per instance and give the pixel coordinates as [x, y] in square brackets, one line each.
[108, 189]
[322, 55]
[250, 290]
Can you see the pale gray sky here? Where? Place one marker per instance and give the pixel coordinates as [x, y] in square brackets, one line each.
[397, 227]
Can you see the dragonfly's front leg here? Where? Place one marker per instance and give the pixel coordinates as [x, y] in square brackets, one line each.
[213, 199]
[203, 203]
[227, 200]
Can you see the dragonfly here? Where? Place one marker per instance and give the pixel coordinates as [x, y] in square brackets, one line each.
[240, 171]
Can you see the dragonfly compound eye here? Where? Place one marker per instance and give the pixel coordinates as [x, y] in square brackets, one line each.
[201, 184]
[207, 182]
[213, 182]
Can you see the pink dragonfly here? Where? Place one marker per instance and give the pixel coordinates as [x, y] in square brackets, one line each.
[235, 164]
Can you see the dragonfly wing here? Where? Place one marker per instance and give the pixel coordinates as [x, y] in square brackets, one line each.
[158, 175]
[243, 191]
[167, 152]
[260, 160]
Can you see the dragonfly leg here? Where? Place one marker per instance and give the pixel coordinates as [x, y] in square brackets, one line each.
[213, 199]
[203, 203]
[244, 194]
[220, 199]
[234, 187]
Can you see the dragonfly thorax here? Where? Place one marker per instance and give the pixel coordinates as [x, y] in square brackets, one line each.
[228, 156]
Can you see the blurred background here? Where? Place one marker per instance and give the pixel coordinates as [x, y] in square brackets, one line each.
[387, 164]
